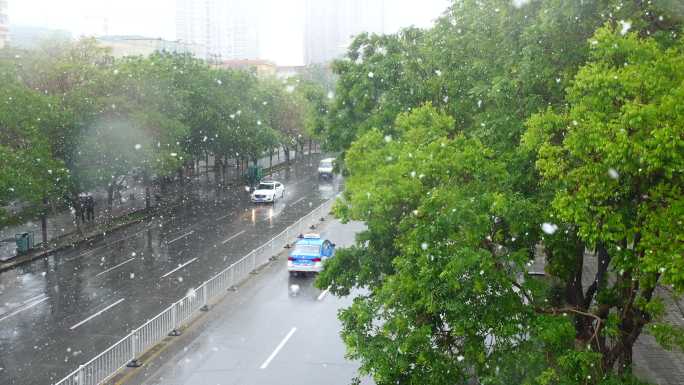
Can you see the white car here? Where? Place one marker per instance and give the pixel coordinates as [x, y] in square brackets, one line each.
[268, 192]
[325, 168]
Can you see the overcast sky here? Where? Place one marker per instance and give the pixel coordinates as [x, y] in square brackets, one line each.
[281, 35]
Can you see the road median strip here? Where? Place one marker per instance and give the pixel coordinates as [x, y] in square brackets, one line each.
[179, 267]
[96, 314]
[278, 348]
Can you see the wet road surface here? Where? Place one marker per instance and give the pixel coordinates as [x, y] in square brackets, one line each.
[59, 312]
[275, 330]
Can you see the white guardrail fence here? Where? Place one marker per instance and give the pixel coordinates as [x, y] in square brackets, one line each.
[129, 349]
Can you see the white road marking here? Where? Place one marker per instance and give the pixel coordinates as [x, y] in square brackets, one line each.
[324, 293]
[233, 237]
[25, 306]
[277, 349]
[223, 217]
[179, 267]
[297, 201]
[85, 253]
[181, 237]
[33, 299]
[115, 267]
[96, 314]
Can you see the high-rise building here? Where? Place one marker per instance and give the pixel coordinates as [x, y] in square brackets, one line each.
[4, 24]
[332, 24]
[222, 29]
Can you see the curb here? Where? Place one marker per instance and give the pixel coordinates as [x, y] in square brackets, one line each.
[20, 260]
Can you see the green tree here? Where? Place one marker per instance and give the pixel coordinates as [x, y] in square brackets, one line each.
[445, 261]
[615, 161]
[29, 170]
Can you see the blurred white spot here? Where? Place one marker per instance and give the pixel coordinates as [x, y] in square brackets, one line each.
[388, 138]
[371, 75]
[180, 279]
[520, 3]
[138, 146]
[294, 289]
[613, 173]
[133, 254]
[549, 228]
[460, 358]
[424, 245]
[626, 25]
[132, 275]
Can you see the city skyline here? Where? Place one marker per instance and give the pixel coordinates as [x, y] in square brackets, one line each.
[222, 29]
[330, 24]
[281, 32]
[4, 23]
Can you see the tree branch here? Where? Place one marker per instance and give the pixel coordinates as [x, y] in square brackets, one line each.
[556, 311]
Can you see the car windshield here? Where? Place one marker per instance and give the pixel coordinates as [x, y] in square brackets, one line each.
[326, 164]
[306, 250]
[266, 186]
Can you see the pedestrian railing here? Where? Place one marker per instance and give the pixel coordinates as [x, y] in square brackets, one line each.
[128, 350]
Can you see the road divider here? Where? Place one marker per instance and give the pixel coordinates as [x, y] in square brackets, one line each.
[181, 237]
[28, 304]
[297, 201]
[277, 349]
[233, 237]
[324, 293]
[96, 314]
[179, 267]
[114, 268]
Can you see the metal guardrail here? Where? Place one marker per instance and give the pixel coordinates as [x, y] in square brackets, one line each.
[129, 349]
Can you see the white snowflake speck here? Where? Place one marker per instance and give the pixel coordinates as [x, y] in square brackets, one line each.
[549, 228]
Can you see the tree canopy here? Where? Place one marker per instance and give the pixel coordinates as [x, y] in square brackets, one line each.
[506, 134]
[75, 119]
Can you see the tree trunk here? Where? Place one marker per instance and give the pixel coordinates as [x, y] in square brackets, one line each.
[206, 165]
[43, 221]
[146, 182]
[225, 168]
[270, 158]
[287, 155]
[310, 146]
[110, 197]
[217, 169]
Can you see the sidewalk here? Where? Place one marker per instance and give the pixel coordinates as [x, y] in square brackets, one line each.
[274, 329]
[63, 224]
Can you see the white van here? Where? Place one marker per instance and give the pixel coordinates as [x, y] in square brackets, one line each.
[325, 168]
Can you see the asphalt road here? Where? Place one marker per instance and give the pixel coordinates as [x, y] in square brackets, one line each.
[275, 330]
[59, 312]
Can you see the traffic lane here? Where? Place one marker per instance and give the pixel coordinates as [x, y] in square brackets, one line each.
[143, 266]
[16, 286]
[126, 313]
[229, 200]
[275, 329]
